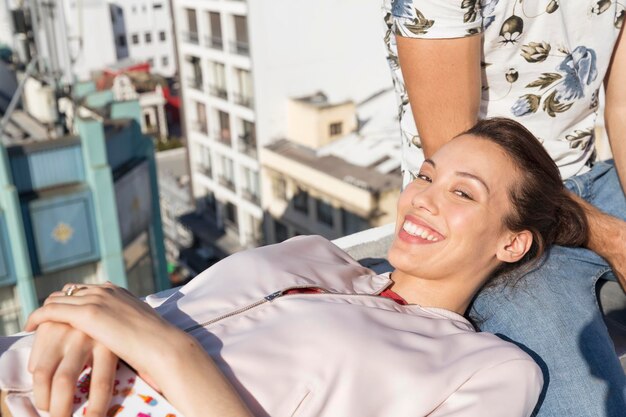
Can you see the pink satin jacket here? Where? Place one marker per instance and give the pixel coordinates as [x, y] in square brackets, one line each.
[343, 352]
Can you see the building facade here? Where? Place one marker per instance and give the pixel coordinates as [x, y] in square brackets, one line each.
[240, 63]
[142, 31]
[79, 207]
[327, 182]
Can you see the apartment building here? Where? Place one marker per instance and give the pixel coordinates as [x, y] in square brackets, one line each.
[324, 181]
[80, 206]
[142, 31]
[241, 62]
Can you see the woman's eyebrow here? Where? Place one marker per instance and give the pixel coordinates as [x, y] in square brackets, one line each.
[473, 177]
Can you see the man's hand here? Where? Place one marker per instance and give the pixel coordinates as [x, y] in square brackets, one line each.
[607, 238]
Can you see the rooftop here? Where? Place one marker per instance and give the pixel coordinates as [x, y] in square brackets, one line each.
[368, 158]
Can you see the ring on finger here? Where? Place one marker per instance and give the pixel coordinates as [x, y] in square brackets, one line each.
[73, 289]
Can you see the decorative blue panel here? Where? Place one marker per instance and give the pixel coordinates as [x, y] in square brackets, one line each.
[133, 195]
[121, 146]
[63, 230]
[6, 265]
[36, 170]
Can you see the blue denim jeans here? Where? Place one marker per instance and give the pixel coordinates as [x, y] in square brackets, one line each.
[553, 314]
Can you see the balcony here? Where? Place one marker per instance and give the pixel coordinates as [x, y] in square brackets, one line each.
[201, 127]
[247, 145]
[226, 182]
[195, 83]
[218, 91]
[240, 48]
[191, 37]
[214, 42]
[251, 196]
[206, 170]
[243, 100]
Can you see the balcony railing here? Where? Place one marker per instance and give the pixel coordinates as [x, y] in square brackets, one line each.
[226, 182]
[251, 196]
[200, 127]
[247, 146]
[223, 136]
[206, 170]
[195, 83]
[243, 100]
[191, 37]
[214, 42]
[240, 48]
[218, 91]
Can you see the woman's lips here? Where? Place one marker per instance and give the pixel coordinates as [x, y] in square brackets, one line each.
[414, 230]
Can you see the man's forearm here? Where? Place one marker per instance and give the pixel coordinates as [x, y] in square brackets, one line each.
[442, 78]
[607, 238]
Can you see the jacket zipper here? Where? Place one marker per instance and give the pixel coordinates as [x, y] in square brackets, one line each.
[269, 298]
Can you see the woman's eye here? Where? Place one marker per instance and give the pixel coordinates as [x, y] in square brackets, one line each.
[424, 177]
[463, 194]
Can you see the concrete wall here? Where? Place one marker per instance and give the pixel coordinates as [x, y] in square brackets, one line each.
[309, 125]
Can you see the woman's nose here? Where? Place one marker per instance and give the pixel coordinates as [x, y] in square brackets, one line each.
[426, 199]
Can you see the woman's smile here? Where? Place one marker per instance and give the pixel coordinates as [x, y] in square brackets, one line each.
[415, 230]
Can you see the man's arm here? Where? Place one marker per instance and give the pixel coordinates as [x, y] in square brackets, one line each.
[442, 78]
[608, 234]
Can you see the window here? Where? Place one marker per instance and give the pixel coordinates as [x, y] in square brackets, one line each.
[121, 41]
[240, 45]
[231, 213]
[204, 160]
[165, 61]
[215, 24]
[192, 27]
[336, 128]
[227, 176]
[244, 87]
[148, 37]
[218, 80]
[201, 119]
[279, 187]
[157, 6]
[301, 201]
[144, 8]
[224, 121]
[324, 212]
[352, 223]
[120, 12]
[251, 185]
[135, 38]
[134, 9]
[280, 231]
[162, 36]
[151, 62]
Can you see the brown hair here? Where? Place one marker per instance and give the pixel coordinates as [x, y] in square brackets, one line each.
[541, 204]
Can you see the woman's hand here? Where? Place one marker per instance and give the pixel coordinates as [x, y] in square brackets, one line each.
[167, 358]
[59, 355]
[117, 319]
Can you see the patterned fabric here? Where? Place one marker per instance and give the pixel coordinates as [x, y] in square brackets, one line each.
[544, 63]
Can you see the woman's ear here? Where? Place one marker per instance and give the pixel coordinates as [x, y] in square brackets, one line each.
[514, 246]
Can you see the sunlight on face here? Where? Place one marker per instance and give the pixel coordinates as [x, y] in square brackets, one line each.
[450, 219]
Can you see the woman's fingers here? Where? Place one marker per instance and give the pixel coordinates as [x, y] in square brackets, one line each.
[66, 375]
[58, 312]
[44, 360]
[102, 377]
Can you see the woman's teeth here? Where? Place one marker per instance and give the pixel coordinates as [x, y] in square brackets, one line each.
[415, 230]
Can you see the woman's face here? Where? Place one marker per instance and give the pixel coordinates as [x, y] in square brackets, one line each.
[450, 219]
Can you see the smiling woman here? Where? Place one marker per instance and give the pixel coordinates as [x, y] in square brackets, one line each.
[300, 328]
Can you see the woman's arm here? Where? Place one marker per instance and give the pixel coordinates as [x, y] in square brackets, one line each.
[161, 353]
[511, 389]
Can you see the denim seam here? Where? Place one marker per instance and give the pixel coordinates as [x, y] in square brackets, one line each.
[593, 289]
